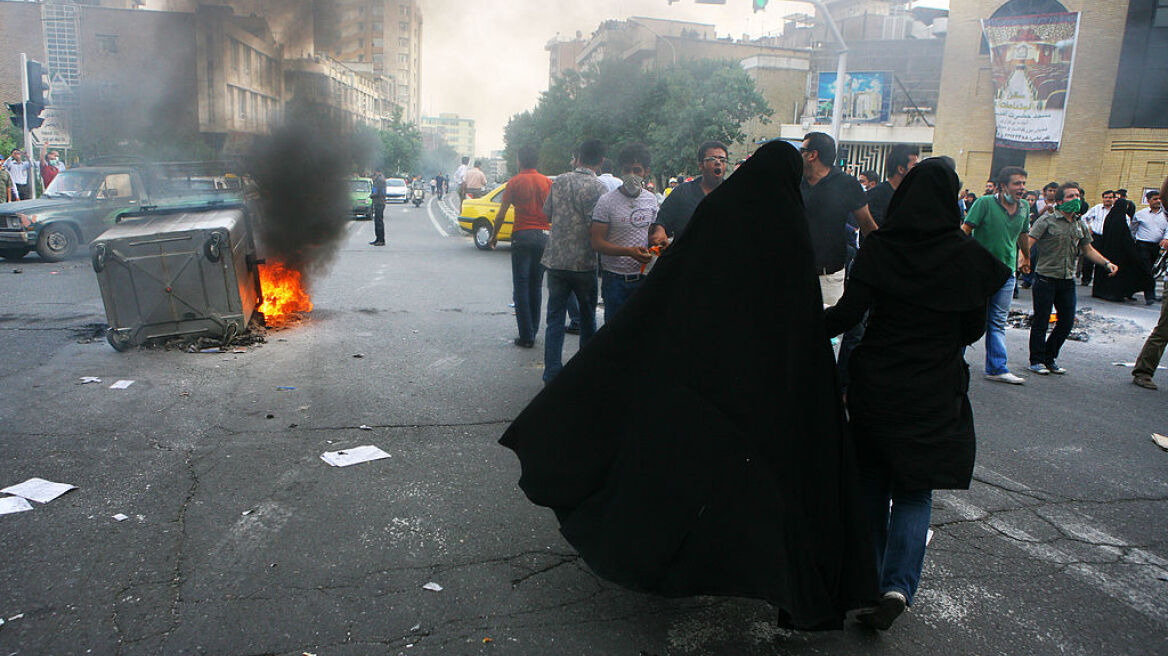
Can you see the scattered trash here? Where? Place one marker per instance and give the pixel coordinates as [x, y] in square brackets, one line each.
[210, 349]
[358, 355]
[9, 505]
[38, 489]
[364, 427]
[247, 512]
[271, 416]
[120, 517]
[121, 384]
[415, 332]
[293, 425]
[1159, 439]
[354, 456]
[487, 641]
[928, 537]
[415, 627]
[16, 617]
[85, 380]
[1130, 365]
[54, 273]
[17, 271]
[432, 587]
[239, 350]
[1087, 323]
[285, 389]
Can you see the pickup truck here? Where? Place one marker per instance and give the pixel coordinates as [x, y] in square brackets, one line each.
[80, 204]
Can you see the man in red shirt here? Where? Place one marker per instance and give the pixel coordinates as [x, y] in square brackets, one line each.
[526, 193]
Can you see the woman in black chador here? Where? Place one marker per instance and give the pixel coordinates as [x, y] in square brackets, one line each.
[697, 444]
[925, 284]
[1119, 247]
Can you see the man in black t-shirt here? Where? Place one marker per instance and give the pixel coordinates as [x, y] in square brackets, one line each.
[829, 195]
[900, 161]
[679, 207]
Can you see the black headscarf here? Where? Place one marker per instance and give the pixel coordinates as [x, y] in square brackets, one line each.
[697, 444]
[921, 255]
[1118, 246]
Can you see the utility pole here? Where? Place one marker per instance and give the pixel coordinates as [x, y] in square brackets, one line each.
[32, 166]
[841, 73]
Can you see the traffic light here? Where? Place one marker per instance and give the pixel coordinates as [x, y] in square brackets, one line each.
[759, 5]
[36, 84]
[34, 115]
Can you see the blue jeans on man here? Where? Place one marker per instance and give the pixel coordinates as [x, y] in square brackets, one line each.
[527, 281]
[616, 289]
[898, 534]
[561, 285]
[1060, 293]
[995, 336]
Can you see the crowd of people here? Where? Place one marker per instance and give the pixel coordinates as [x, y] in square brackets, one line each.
[17, 175]
[909, 268]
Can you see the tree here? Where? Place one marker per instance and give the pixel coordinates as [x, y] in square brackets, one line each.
[671, 110]
[401, 145]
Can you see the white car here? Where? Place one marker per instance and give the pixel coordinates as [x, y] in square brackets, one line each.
[397, 190]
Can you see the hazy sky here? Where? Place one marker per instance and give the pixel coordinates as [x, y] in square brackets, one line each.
[485, 59]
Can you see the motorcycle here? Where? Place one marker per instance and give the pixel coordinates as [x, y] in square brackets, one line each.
[417, 196]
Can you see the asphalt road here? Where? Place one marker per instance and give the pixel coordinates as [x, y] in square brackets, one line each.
[240, 540]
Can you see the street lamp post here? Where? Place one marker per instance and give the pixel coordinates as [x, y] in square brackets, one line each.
[837, 106]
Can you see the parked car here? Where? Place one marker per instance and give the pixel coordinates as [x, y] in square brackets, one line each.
[479, 213]
[397, 190]
[361, 197]
[83, 202]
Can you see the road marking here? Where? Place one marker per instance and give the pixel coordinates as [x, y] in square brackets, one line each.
[433, 221]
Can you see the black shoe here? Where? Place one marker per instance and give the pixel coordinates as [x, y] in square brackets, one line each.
[376, 243]
[890, 606]
[572, 330]
[524, 343]
[1151, 301]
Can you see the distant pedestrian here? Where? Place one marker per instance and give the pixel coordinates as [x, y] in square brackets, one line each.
[569, 258]
[526, 192]
[829, 195]
[620, 229]
[1061, 236]
[378, 197]
[998, 223]
[1096, 217]
[901, 159]
[606, 177]
[7, 189]
[474, 182]
[1117, 244]
[1153, 350]
[990, 188]
[868, 180]
[1121, 199]
[458, 177]
[678, 207]
[1150, 229]
[50, 167]
[21, 171]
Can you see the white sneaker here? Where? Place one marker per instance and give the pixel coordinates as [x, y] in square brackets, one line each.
[1039, 369]
[1007, 378]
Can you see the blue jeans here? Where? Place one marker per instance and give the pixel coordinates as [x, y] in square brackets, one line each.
[561, 285]
[527, 280]
[573, 312]
[898, 535]
[995, 337]
[1060, 293]
[617, 288]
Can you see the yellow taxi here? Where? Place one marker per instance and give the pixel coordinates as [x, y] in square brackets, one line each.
[478, 214]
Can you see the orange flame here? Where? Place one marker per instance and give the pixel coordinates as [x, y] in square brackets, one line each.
[283, 293]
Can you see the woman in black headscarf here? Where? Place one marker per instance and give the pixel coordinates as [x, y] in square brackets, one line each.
[1119, 246]
[926, 286]
[697, 444]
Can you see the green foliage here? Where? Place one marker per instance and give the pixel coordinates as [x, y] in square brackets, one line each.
[10, 138]
[671, 110]
[401, 146]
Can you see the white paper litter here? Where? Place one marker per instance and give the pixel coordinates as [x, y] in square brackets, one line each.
[1160, 440]
[121, 384]
[1130, 365]
[38, 489]
[9, 505]
[353, 456]
[928, 537]
[432, 586]
[364, 427]
[85, 380]
[120, 517]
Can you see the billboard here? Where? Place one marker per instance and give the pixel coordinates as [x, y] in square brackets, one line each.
[1031, 58]
[867, 97]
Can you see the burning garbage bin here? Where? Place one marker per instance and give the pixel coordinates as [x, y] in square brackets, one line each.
[177, 272]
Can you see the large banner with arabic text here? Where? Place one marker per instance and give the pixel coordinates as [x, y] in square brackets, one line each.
[1032, 59]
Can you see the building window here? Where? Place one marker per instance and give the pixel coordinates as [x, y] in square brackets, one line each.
[403, 58]
[404, 27]
[1141, 84]
[405, 10]
[376, 27]
[107, 44]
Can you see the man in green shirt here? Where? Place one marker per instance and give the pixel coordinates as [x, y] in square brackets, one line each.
[6, 186]
[1062, 235]
[997, 222]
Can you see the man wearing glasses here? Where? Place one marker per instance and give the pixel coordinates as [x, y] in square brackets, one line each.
[829, 196]
[679, 207]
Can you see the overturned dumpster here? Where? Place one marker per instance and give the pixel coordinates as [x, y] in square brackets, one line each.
[186, 271]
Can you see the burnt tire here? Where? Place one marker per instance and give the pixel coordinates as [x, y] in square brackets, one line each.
[56, 243]
[482, 235]
[13, 253]
[119, 341]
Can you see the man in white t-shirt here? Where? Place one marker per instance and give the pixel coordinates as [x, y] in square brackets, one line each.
[1149, 227]
[1095, 218]
[458, 177]
[620, 229]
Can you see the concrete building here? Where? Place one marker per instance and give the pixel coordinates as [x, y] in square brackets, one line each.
[329, 88]
[456, 131]
[1116, 126]
[562, 54]
[385, 33]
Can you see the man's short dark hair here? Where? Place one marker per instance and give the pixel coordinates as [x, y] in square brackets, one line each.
[465, 160]
[872, 176]
[1008, 172]
[591, 152]
[823, 144]
[606, 166]
[478, 163]
[898, 157]
[634, 153]
[528, 157]
[1121, 192]
[1061, 190]
[1109, 191]
[1050, 185]
[707, 146]
[1151, 192]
